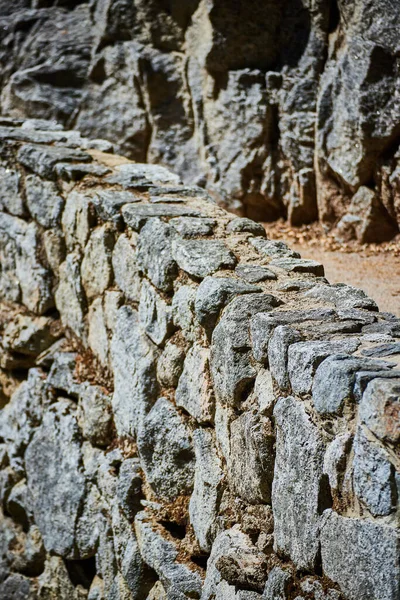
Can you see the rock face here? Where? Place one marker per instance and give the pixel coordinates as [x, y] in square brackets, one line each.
[187, 410]
[285, 109]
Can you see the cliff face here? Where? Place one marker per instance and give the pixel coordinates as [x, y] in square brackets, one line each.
[189, 409]
[278, 108]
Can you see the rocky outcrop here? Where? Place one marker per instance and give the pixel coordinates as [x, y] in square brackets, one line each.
[189, 410]
[283, 108]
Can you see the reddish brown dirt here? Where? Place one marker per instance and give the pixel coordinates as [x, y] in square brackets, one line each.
[375, 268]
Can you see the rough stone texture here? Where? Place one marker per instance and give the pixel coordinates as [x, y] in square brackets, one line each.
[251, 458]
[194, 391]
[204, 502]
[96, 270]
[70, 296]
[297, 491]
[373, 476]
[155, 314]
[202, 257]
[134, 365]
[372, 549]
[148, 445]
[55, 446]
[166, 450]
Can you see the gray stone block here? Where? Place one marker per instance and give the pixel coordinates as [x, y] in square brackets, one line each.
[44, 201]
[201, 258]
[166, 451]
[205, 499]
[378, 409]
[305, 357]
[298, 487]
[155, 315]
[154, 254]
[351, 545]
[373, 476]
[55, 446]
[134, 359]
[194, 392]
[213, 294]
[251, 458]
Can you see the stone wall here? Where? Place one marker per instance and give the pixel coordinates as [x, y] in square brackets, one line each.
[279, 108]
[189, 409]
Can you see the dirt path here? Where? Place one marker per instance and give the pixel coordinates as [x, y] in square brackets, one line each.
[373, 268]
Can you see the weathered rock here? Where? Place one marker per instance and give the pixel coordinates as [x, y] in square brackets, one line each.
[366, 219]
[382, 350]
[137, 215]
[264, 392]
[251, 457]
[23, 413]
[373, 476]
[194, 392]
[334, 380]
[335, 461]
[155, 315]
[54, 246]
[188, 227]
[242, 225]
[94, 415]
[166, 450]
[98, 336]
[30, 335]
[154, 254]
[278, 349]
[134, 365]
[262, 326]
[54, 582]
[55, 446]
[183, 310]
[160, 554]
[379, 409]
[43, 159]
[236, 560]
[108, 203]
[44, 201]
[129, 559]
[76, 220]
[96, 269]
[24, 277]
[125, 268]
[273, 248]
[204, 502]
[62, 374]
[170, 364]
[213, 294]
[10, 196]
[70, 296]
[277, 586]
[129, 487]
[373, 549]
[127, 174]
[342, 296]
[298, 490]
[231, 368]
[304, 358]
[201, 258]
[255, 273]
[299, 265]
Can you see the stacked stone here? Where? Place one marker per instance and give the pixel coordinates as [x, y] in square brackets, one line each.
[190, 410]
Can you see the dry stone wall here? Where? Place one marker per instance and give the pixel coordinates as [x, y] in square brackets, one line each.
[189, 409]
[279, 108]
